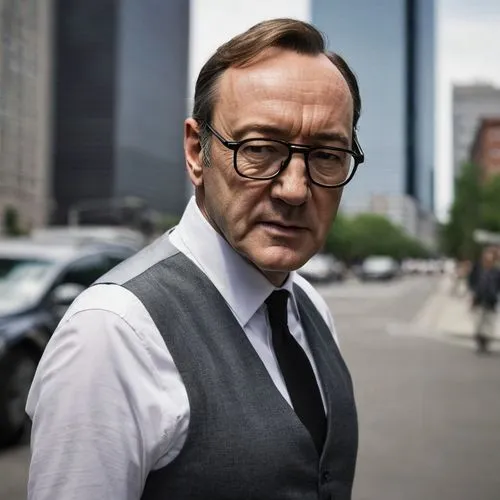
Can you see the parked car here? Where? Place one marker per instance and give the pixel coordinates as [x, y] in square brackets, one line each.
[379, 268]
[90, 234]
[423, 266]
[38, 282]
[323, 268]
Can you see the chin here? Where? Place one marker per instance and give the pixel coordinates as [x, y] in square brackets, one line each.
[283, 260]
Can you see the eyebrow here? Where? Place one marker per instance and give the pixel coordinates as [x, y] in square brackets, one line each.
[272, 131]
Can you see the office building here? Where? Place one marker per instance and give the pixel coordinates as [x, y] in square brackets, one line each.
[485, 151]
[25, 73]
[471, 103]
[390, 44]
[120, 100]
[124, 73]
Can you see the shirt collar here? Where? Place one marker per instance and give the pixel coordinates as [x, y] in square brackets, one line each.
[221, 263]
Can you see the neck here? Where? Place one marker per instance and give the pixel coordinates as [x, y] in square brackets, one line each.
[276, 278]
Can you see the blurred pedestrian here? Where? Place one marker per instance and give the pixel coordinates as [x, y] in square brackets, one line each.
[205, 367]
[459, 277]
[484, 284]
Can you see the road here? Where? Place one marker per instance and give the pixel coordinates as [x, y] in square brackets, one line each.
[429, 411]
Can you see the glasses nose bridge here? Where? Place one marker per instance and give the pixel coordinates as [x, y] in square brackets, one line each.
[297, 149]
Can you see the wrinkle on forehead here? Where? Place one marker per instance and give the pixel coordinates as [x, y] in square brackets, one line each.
[301, 93]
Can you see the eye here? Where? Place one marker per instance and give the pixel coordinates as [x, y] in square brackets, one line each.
[260, 149]
[327, 155]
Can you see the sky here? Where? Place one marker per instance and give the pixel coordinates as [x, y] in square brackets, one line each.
[231, 17]
[467, 51]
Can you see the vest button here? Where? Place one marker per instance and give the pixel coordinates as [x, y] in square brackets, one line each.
[325, 476]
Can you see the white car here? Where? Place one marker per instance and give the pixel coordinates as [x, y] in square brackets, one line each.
[379, 268]
[322, 268]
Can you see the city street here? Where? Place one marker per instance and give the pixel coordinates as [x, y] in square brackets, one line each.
[429, 406]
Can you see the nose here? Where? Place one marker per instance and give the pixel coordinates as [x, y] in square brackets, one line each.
[292, 184]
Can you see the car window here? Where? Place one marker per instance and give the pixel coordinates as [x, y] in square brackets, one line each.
[114, 260]
[86, 270]
[22, 282]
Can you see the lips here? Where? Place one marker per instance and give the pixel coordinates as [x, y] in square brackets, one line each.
[284, 224]
[283, 227]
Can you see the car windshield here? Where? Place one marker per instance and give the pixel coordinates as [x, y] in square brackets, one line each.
[22, 281]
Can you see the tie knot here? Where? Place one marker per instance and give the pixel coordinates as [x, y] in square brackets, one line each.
[277, 307]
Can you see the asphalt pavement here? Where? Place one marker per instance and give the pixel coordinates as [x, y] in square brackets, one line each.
[429, 410]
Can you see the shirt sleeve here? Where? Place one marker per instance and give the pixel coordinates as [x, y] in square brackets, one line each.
[97, 424]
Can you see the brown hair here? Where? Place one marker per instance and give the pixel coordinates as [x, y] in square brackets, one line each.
[243, 49]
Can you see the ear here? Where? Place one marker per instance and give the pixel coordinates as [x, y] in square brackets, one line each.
[193, 152]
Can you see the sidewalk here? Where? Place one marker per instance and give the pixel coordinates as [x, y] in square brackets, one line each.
[449, 315]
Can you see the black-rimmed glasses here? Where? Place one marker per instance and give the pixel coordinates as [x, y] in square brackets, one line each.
[264, 159]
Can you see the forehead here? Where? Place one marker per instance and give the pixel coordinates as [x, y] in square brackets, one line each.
[301, 93]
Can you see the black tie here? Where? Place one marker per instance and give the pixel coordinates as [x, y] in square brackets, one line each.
[296, 369]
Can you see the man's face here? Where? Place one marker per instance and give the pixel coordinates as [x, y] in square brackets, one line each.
[276, 224]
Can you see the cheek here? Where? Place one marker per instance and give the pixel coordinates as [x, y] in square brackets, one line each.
[244, 202]
[218, 181]
[327, 204]
[231, 199]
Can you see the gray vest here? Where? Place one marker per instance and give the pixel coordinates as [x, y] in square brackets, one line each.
[244, 440]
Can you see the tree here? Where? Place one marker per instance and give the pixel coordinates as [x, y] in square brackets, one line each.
[476, 206]
[11, 221]
[490, 205]
[465, 215]
[168, 221]
[339, 238]
[374, 235]
[353, 239]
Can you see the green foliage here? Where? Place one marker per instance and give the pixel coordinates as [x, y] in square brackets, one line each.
[490, 205]
[476, 206]
[168, 221]
[339, 240]
[355, 238]
[11, 222]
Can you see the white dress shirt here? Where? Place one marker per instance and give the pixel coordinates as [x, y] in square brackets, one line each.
[108, 404]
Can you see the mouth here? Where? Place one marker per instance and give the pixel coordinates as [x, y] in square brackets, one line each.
[283, 228]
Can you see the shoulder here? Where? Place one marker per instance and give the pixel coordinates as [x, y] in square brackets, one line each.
[109, 315]
[107, 385]
[146, 259]
[110, 300]
[318, 301]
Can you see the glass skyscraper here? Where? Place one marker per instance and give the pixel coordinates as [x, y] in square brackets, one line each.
[390, 45]
[119, 93]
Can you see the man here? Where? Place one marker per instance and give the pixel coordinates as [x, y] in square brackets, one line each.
[205, 367]
[484, 284]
